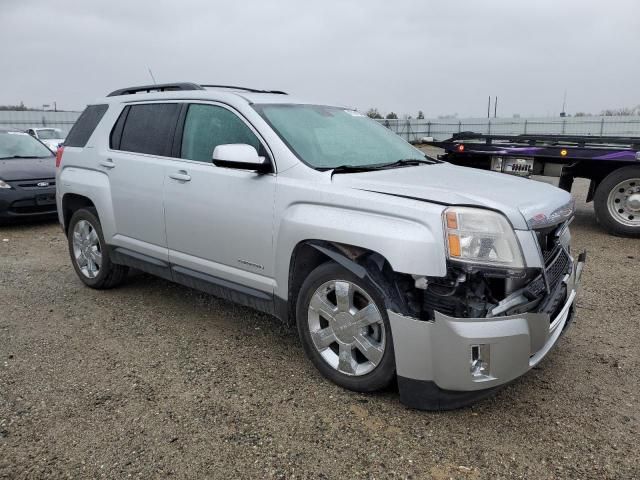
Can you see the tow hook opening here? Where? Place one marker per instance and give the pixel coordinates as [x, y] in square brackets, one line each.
[480, 361]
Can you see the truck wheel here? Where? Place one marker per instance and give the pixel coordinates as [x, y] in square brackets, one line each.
[89, 255]
[344, 329]
[617, 202]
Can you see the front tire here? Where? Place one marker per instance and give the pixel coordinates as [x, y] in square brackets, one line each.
[617, 202]
[344, 329]
[89, 255]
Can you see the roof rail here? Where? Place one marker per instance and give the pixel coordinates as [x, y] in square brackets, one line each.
[252, 90]
[160, 87]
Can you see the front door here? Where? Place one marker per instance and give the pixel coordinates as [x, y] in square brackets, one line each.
[219, 220]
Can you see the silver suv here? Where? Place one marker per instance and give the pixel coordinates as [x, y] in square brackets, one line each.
[392, 265]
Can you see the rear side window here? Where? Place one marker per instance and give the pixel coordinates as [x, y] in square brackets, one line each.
[85, 125]
[147, 128]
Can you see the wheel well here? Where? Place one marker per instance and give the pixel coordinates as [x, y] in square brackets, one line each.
[310, 254]
[72, 202]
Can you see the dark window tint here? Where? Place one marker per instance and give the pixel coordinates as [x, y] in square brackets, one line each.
[116, 132]
[85, 125]
[149, 128]
[207, 126]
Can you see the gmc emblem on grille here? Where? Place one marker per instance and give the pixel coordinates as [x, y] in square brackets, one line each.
[43, 184]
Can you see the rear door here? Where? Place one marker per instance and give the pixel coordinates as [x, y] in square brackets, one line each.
[219, 220]
[140, 144]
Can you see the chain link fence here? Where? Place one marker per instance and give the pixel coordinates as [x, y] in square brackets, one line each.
[441, 129]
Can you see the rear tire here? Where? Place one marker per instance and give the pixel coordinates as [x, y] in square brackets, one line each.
[617, 202]
[89, 252]
[344, 329]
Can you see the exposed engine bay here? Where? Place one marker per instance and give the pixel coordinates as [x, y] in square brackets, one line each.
[475, 292]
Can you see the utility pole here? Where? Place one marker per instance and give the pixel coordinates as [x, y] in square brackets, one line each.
[495, 107]
[564, 105]
[489, 108]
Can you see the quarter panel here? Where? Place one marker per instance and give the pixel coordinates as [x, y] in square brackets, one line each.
[91, 184]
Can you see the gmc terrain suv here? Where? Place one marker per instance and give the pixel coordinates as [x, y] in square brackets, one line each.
[392, 265]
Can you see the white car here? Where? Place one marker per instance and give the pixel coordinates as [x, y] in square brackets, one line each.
[51, 137]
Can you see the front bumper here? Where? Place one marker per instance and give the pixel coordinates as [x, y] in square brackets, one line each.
[437, 356]
[22, 203]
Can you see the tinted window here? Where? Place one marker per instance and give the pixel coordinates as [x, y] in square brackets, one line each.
[149, 128]
[207, 126]
[116, 132]
[85, 125]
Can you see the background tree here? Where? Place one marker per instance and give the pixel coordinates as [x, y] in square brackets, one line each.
[373, 113]
[623, 112]
[391, 116]
[420, 115]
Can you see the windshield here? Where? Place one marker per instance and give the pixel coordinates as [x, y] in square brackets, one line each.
[19, 144]
[328, 137]
[49, 134]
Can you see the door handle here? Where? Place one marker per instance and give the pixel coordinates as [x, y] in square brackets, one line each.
[108, 163]
[181, 176]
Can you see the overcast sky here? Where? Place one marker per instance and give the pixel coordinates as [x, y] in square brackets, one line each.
[441, 57]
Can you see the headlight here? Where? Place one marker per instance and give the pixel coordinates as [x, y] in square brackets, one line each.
[479, 236]
[4, 184]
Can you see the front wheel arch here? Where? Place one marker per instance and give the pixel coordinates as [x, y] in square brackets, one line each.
[362, 262]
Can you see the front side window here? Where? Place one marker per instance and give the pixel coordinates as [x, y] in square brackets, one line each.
[16, 145]
[207, 126]
[328, 137]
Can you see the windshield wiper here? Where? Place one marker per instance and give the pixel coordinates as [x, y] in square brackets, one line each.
[404, 162]
[352, 168]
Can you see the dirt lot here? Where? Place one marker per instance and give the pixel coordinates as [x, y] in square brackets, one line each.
[153, 379]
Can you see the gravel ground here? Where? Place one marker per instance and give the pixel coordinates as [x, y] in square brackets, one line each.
[153, 380]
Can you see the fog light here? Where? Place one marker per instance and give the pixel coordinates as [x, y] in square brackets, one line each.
[480, 360]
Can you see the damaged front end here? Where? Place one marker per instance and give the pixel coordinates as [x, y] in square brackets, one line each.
[480, 327]
[478, 292]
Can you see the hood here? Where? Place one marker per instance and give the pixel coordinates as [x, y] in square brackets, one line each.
[28, 168]
[526, 203]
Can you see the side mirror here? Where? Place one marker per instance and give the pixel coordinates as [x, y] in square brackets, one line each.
[240, 156]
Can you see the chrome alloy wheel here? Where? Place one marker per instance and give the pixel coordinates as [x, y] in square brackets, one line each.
[86, 249]
[346, 327]
[624, 202]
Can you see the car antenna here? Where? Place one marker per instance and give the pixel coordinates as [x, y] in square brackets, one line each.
[152, 77]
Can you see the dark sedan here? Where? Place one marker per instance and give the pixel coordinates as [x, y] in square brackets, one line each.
[27, 177]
